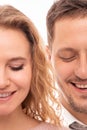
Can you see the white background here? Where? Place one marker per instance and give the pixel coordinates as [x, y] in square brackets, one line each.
[36, 10]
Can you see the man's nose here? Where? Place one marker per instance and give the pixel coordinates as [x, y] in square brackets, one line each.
[4, 81]
[81, 67]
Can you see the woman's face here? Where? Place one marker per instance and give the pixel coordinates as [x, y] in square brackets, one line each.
[15, 69]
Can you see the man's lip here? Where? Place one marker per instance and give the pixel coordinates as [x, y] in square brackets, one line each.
[79, 85]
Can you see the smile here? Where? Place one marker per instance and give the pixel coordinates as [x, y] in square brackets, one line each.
[6, 94]
[80, 86]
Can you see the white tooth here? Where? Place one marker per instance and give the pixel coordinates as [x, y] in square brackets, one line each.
[86, 86]
[81, 86]
[3, 95]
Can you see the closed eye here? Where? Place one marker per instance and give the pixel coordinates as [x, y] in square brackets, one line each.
[67, 54]
[68, 59]
[17, 68]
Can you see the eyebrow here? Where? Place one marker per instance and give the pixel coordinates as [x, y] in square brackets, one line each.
[17, 59]
[67, 49]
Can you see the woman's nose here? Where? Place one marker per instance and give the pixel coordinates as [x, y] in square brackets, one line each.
[4, 81]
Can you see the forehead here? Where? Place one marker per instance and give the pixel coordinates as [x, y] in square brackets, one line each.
[70, 33]
[68, 24]
[68, 28]
[12, 40]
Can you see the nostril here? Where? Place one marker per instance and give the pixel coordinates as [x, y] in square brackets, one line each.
[81, 73]
[4, 84]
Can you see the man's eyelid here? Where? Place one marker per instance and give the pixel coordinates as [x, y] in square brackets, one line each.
[70, 57]
[72, 53]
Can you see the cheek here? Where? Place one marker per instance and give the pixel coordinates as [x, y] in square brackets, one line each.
[64, 70]
[22, 79]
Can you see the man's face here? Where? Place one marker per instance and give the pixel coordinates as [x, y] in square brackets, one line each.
[69, 59]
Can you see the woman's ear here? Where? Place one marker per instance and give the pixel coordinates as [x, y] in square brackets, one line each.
[48, 51]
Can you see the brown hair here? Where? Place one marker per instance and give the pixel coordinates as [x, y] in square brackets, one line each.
[62, 9]
[36, 103]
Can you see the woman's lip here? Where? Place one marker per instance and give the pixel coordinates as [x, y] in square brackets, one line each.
[6, 95]
[7, 91]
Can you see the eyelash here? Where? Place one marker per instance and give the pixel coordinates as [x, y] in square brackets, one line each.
[68, 59]
[17, 68]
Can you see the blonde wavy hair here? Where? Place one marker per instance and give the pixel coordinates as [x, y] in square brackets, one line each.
[36, 103]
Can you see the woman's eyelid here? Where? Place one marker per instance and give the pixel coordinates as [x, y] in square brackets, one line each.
[17, 66]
